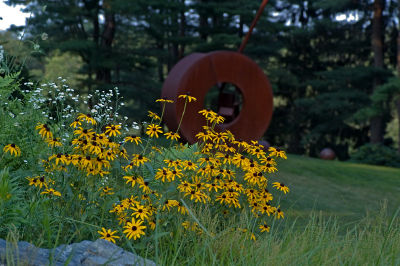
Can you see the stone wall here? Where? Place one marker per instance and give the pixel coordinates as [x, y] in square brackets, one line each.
[99, 252]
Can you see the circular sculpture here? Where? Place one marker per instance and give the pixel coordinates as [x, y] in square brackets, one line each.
[197, 73]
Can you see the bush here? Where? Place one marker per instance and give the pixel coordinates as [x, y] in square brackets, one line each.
[88, 174]
[376, 154]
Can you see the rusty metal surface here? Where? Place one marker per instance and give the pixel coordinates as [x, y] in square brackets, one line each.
[197, 73]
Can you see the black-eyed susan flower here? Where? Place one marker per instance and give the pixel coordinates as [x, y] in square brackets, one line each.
[175, 173]
[184, 186]
[163, 174]
[12, 149]
[153, 116]
[84, 133]
[270, 168]
[54, 142]
[134, 229]
[87, 117]
[108, 234]
[144, 185]
[204, 136]
[187, 97]
[139, 160]
[153, 130]
[59, 158]
[123, 153]
[135, 139]
[217, 119]
[44, 130]
[76, 123]
[113, 130]
[277, 152]
[51, 192]
[279, 213]
[130, 178]
[280, 186]
[164, 100]
[207, 113]
[106, 191]
[140, 211]
[168, 204]
[189, 165]
[33, 181]
[182, 209]
[172, 135]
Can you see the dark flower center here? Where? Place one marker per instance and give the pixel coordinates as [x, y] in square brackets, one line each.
[134, 228]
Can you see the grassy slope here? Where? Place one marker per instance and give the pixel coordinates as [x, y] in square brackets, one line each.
[342, 189]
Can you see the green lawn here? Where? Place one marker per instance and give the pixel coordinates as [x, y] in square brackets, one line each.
[341, 189]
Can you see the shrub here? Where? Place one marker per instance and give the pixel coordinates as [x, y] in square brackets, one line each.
[89, 175]
[376, 154]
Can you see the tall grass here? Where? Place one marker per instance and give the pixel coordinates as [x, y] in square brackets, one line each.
[375, 240]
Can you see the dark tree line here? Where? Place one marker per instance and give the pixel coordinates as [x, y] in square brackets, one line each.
[335, 79]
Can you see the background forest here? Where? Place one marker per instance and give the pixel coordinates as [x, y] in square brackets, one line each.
[334, 65]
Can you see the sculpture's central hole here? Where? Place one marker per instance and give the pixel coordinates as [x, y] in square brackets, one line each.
[225, 99]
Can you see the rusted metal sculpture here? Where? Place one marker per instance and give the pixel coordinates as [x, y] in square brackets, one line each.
[198, 72]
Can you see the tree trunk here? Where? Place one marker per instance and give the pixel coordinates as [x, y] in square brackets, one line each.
[103, 74]
[398, 75]
[398, 117]
[377, 49]
[182, 29]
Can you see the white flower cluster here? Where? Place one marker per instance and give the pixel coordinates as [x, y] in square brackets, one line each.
[58, 97]
[103, 110]
[64, 103]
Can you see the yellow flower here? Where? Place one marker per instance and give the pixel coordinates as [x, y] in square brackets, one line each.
[170, 203]
[163, 174]
[163, 100]
[12, 149]
[279, 214]
[280, 186]
[153, 130]
[277, 152]
[134, 229]
[131, 179]
[59, 157]
[139, 160]
[76, 123]
[113, 130]
[154, 115]
[215, 118]
[33, 181]
[264, 227]
[172, 135]
[188, 165]
[44, 130]
[187, 97]
[106, 191]
[108, 234]
[207, 113]
[135, 139]
[87, 117]
[87, 133]
[51, 192]
[54, 142]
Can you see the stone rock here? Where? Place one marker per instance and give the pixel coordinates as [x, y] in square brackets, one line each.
[88, 253]
[327, 154]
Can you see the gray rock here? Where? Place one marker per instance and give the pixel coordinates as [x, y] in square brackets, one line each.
[86, 253]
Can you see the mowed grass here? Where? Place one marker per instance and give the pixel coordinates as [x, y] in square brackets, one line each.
[337, 213]
[345, 190]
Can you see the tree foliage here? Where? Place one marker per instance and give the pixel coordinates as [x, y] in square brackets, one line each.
[317, 55]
